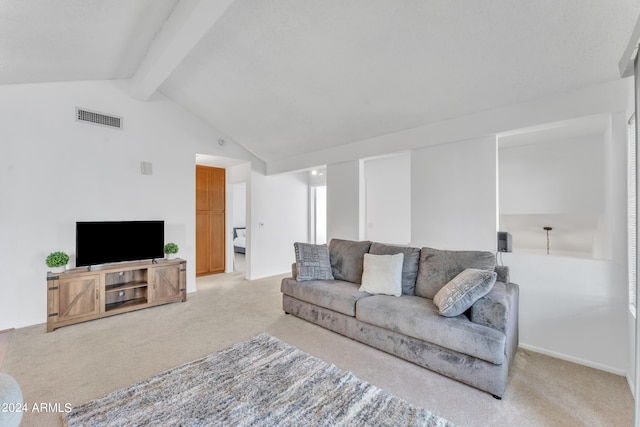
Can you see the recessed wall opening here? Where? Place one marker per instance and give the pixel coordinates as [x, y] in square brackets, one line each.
[552, 188]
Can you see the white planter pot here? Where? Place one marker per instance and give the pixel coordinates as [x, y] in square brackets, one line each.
[171, 256]
[60, 269]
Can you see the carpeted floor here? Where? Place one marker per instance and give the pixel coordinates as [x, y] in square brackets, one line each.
[263, 381]
[82, 362]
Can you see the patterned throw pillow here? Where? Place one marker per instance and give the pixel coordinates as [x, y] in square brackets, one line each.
[463, 290]
[312, 262]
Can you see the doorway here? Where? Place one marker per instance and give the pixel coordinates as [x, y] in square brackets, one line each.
[239, 223]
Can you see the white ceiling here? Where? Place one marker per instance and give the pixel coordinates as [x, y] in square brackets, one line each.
[286, 77]
[51, 41]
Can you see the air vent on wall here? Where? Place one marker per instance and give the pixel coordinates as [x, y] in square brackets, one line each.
[100, 119]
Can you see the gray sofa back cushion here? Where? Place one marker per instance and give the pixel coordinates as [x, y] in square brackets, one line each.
[409, 265]
[347, 258]
[438, 267]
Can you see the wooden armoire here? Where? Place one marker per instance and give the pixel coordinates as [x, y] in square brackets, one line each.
[210, 220]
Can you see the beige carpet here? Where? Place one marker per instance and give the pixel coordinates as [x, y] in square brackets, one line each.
[82, 362]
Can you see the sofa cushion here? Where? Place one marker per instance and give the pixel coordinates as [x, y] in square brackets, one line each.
[312, 262]
[347, 259]
[332, 294]
[409, 265]
[463, 290]
[438, 267]
[419, 318]
[382, 274]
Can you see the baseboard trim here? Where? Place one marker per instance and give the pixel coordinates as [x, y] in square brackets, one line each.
[630, 382]
[576, 360]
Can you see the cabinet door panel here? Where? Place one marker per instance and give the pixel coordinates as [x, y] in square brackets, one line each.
[202, 242]
[202, 188]
[166, 283]
[78, 297]
[216, 189]
[216, 221]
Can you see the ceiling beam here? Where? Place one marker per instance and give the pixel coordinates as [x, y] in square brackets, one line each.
[629, 56]
[187, 24]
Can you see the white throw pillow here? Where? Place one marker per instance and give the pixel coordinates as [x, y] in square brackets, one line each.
[382, 274]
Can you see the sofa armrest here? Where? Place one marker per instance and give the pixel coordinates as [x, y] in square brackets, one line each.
[495, 309]
[294, 270]
[503, 273]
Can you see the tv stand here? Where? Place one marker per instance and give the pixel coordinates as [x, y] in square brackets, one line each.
[83, 294]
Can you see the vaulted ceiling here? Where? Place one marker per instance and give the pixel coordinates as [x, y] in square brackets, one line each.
[287, 77]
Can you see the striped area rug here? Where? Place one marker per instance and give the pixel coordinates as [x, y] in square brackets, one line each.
[260, 382]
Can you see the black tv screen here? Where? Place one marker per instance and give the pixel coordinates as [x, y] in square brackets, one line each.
[102, 242]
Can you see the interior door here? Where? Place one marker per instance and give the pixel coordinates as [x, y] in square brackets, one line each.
[210, 220]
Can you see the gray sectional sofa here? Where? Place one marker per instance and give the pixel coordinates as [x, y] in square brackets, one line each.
[476, 347]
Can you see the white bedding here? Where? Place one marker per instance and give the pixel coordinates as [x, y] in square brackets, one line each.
[240, 242]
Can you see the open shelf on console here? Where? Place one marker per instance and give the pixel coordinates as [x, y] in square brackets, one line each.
[124, 286]
[125, 304]
[118, 278]
[125, 289]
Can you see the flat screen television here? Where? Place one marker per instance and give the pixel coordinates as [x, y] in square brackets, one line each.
[102, 242]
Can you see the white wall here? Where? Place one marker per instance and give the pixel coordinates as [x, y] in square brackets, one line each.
[454, 195]
[572, 308]
[388, 199]
[279, 213]
[56, 171]
[239, 192]
[549, 178]
[344, 203]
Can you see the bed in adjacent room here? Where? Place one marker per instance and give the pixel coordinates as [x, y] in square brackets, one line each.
[239, 239]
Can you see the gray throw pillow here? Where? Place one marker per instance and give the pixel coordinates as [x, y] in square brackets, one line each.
[437, 267]
[312, 262]
[463, 290]
[347, 258]
[409, 267]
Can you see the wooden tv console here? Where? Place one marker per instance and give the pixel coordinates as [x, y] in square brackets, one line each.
[80, 294]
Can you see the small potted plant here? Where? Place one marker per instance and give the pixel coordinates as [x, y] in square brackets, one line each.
[171, 249]
[57, 261]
